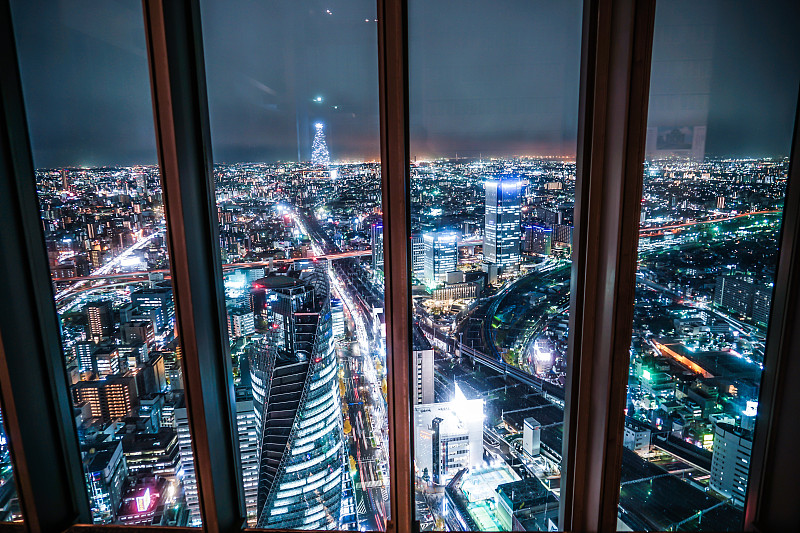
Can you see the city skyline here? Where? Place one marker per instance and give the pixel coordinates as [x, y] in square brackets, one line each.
[697, 344]
[494, 202]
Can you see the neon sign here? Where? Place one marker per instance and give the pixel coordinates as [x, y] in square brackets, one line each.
[143, 502]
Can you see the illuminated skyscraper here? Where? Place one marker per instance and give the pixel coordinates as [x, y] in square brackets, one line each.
[537, 239]
[106, 472]
[730, 462]
[187, 461]
[159, 296]
[83, 352]
[376, 240]
[109, 399]
[248, 450]
[296, 403]
[422, 368]
[417, 255]
[441, 255]
[99, 320]
[502, 227]
[319, 148]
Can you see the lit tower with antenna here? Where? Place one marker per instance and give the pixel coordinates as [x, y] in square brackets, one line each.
[319, 148]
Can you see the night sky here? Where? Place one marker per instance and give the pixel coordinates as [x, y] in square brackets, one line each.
[487, 78]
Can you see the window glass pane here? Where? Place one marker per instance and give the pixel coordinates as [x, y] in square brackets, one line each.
[293, 99]
[723, 95]
[87, 93]
[494, 105]
[9, 503]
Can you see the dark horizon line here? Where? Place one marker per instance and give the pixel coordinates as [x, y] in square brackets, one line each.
[570, 158]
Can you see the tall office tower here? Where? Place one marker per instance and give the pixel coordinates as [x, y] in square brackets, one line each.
[734, 293]
[730, 462]
[241, 323]
[548, 216]
[83, 352]
[441, 255]
[150, 454]
[151, 376]
[131, 313]
[562, 233]
[141, 182]
[337, 317]
[422, 365]
[109, 399]
[100, 320]
[762, 303]
[140, 331]
[449, 436]
[417, 255]
[105, 360]
[537, 239]
[187, 461]
[156, 297]
[296, 401]
[133, 354]
[319, 148]
[502, 222]
[106, 472]
[248, 450]
[376, 240]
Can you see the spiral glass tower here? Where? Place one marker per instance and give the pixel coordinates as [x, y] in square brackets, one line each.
[296, 399]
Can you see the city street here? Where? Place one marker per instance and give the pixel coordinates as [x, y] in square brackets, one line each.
[363, 399]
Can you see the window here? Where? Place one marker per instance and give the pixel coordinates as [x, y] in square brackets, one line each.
[493, 108]
[449, 264]
[85, 77]
[715, 180]
[294, 131]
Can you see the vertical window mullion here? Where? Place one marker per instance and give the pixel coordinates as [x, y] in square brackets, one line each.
[615, 72]
[395, 155]
[774, 465]
[36, 408]
[180, 107]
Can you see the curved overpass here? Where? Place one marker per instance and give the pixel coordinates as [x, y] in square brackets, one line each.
[124, 278]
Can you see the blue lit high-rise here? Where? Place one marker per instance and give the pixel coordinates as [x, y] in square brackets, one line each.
[502, 223]
[441, 255]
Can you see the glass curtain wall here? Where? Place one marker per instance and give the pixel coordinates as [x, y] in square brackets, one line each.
[87, 94]
[293, 101]
[723, 95]
[494, 112]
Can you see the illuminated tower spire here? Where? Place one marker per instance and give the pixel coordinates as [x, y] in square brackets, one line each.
[319, 148]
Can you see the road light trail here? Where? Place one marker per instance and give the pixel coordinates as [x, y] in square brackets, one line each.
[370, 435]
[657, 230]
[80, 281]
[114, 263]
